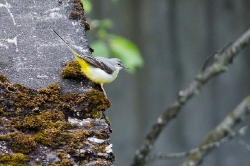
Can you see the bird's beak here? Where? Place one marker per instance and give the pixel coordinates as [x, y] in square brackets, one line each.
[125, 67]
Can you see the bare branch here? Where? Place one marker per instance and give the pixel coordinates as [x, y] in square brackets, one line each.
[222, 130]
[244, 144]
[206, 147]
[203, 77]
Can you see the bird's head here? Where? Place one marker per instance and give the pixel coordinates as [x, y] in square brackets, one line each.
[118, 64]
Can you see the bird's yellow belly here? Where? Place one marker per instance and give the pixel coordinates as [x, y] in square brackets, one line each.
[95, 74]
[99, 76]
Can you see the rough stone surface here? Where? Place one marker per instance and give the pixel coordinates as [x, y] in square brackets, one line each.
[44, 120]
[31, 54]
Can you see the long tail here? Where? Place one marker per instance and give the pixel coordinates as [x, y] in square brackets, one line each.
[73, 51]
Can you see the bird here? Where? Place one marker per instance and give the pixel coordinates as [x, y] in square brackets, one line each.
[99, 70]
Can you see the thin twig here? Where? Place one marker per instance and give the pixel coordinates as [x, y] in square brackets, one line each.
[214, 56]
[240, 132]
[244, 144]
[203, 77]
[222, 130]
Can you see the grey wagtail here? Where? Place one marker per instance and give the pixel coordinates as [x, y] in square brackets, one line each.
[99, 70]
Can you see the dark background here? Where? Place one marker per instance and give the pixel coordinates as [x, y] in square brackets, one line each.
[175, 37]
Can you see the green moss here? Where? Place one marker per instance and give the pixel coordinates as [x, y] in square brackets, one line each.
[101, 134]
[72, 70]
[51, 137]
[43, 120]
[53, 89]
[107, 120]
[101, 149]
[193, 157]
[76, 138]
[64, 159]
[29, 98]
[9, 126]
[6, 137]
[17, 159]
[23, 143]
[3, 78]
[209, 139]
[2, 112]
[220, 67]
[40, 117]
[49, 126]
[95, 114]
[97, 101]
[86, 105]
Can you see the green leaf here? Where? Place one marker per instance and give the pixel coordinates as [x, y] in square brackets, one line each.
[127, 51]
[87, 5]
[106, 23]
[100, 49]
[115, 1]
[102, 33]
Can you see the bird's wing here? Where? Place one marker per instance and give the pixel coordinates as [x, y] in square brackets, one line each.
[93, 61]
[98, 63]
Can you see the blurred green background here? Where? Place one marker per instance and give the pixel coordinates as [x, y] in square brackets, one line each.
[165, 43]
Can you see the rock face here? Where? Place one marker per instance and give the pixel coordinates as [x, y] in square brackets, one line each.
[45, 119]
[31, 54]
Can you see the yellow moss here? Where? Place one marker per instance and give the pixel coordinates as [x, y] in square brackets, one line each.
[96, 114]
[77, 137]
[72, 70]
[23, 143]
[53, 89]
[44, 112]
[18, 110]
[97, 100]
[52, 137]
[101, 135]
[44, 120]
[16, 159]
[88, 105]
[9, 126]
[107, 120]
[50, 126]
[3, 78]
[101, 149]
[72, 99]
[64, 159]
[7, 137]
[2, 112]
[25, 97]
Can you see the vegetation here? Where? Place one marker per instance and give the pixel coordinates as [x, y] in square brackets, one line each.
[110, 45]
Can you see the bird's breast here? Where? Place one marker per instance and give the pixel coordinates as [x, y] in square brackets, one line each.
[96, 75]
[99, 76]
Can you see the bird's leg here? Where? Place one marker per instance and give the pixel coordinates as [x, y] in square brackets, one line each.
[103, 90]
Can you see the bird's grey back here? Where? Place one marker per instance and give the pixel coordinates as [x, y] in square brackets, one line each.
[109, 62]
